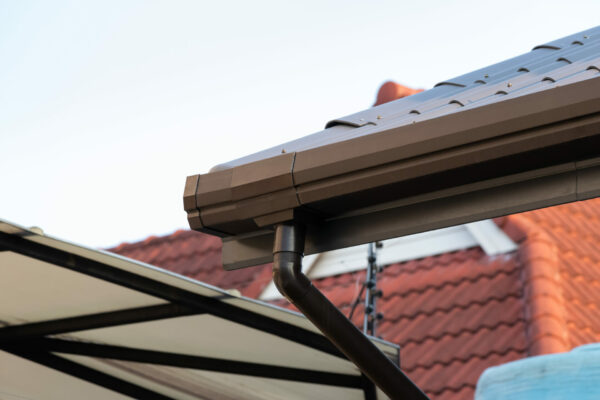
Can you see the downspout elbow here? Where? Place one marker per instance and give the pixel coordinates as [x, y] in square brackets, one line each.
[287, 263]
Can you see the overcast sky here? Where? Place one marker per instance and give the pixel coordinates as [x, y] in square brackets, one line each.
[106, 106]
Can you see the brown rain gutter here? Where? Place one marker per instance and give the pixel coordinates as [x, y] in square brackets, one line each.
[288, 251]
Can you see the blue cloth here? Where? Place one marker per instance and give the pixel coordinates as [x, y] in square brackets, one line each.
[572, 375]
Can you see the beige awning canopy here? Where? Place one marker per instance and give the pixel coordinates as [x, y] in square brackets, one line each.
[514, 136]
[82, 323]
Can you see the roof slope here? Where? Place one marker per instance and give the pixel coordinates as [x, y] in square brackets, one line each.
[457, 313]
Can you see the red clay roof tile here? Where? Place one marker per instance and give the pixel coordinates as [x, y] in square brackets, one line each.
[198, 256]
[390, 91]
[458, 374]
[465, 393]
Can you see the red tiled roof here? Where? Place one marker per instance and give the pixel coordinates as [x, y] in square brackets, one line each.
[453, 315]
[198, 256]
[458, 313]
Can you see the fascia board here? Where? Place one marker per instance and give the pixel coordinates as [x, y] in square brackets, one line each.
[488, 199]
[454, 158]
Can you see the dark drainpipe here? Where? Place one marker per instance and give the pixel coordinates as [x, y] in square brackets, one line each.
[296, 287]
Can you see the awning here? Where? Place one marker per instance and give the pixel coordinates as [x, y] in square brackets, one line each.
[82, 323]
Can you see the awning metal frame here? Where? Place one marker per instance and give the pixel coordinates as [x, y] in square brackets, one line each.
[49, 345]
[33, 341]
[87, 374]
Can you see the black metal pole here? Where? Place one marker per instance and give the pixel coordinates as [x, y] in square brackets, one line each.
[295, 286]
[371, 316]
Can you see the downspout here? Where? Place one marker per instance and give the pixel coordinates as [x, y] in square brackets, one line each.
[288, 251]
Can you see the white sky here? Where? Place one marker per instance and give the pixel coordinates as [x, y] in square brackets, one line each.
[106, 106]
